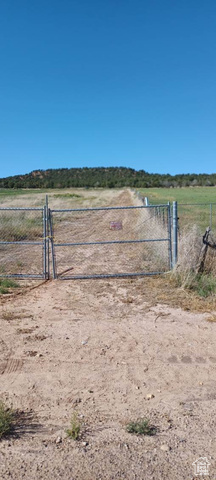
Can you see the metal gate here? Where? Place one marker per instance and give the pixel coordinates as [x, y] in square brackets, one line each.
[110, 241]
[23, 243]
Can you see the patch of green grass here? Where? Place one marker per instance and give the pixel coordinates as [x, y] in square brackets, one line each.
[6, 284]
[7, 419]
[10, 192]
[75, 427]
[204, 285]
[67, 195]
[141, 427]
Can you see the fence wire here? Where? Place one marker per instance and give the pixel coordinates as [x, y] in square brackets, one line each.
[202, 215]
[111, 241]
[22, 242]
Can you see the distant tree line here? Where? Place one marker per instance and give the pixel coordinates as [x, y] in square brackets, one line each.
[104, 177]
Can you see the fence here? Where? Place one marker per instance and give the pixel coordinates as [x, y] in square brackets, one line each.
[109, 242]
[201, 214]
[85, 243]
[23, 242]
[184, 216]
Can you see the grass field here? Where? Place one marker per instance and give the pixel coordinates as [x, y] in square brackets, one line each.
[189, 214]
[181, 195]
[58, 198]
[155, 195]
[196, 206]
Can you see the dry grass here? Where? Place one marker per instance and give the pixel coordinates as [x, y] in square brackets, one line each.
[153, 226]
[164, 290]
[211, 319]
[185, 273]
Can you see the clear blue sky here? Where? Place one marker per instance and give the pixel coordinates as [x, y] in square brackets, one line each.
[108, 83]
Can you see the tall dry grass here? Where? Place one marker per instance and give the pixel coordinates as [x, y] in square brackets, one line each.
[152, 225]
[186, 272]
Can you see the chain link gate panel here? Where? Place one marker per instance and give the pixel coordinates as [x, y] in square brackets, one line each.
[110, 241]
[23, 243]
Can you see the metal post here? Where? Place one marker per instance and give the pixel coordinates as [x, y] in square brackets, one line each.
[48, 243]
[169, 234]
[175, 233]
[52, 244]
[44, 243]
[146, 201]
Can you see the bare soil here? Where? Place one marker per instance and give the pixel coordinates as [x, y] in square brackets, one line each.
[113, 351]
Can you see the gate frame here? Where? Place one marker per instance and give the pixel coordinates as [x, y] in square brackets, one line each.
[116, 275]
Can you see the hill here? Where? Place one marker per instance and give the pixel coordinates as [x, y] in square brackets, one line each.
[104, 177]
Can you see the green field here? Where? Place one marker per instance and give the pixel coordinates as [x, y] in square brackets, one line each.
[181, 195]
[200, 208]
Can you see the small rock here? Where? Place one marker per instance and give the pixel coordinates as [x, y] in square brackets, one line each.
[85, 444]
[58, 440]
[200, 383]
[39, 355]
[149, 396]
[165, 448]
[84, 342]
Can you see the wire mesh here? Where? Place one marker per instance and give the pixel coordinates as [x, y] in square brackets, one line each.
[21, 242]
[113, 241]
[202, 215]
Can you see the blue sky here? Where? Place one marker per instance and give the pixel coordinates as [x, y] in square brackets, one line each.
[108, 83]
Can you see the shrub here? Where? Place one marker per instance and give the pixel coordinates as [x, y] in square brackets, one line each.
[141, 427]
[7, 418]
[6, 284]
[75, 427]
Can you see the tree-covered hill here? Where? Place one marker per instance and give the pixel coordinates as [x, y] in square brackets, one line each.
[104, 177]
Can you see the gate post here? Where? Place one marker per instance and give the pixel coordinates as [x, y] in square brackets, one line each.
[175, 233]
[47, 229]
[52, 243]
[44, 243]
[169, 234]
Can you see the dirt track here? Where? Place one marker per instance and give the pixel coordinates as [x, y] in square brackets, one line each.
[100, 347]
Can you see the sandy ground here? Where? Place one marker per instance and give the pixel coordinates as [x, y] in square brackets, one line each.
[102, 348]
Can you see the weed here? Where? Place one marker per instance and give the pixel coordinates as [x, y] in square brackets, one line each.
[204, 285]
[6, 284]
[141, 427]
[7, 419]
[75, 427]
